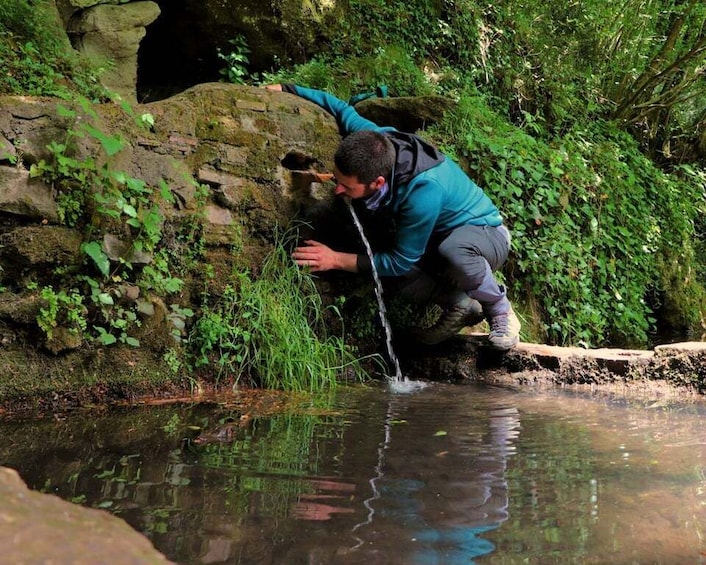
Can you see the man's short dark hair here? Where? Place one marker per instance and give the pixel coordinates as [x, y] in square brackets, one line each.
[367, 155]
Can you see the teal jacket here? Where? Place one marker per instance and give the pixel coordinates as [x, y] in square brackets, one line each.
[429, 193]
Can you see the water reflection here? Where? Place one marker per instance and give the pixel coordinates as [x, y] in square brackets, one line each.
[464, 473]
[448, 474]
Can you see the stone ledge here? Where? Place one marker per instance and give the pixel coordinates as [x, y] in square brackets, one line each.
[618, 361]
[674, 369]
[678, 365]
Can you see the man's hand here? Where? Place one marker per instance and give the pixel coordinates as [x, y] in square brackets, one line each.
[320, 257]
[274, 87]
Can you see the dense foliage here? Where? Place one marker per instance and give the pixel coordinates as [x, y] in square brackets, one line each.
[36, 57]
[584, 121]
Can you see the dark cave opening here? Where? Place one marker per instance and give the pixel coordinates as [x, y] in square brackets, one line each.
[175, 54]
[180, 48]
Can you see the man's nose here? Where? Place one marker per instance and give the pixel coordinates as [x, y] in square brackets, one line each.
[339, 190]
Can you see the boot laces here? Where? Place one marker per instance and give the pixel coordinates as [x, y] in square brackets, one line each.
[500, 324]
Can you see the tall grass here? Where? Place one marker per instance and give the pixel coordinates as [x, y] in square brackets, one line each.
[271, 329]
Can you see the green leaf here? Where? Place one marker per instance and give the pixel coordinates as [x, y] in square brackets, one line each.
[165, 192]
[440, 433]
[111, 144]
[65, 112]
[94, 250]
[129, 210]
[174, 285]
[106, 338]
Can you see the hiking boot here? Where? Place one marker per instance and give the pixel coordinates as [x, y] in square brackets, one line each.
[504, 330]
[466, 312]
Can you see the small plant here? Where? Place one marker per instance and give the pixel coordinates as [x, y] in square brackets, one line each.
[236, 61]
[178, 317]
[173, 360]
[173, 425]
[61, 308]
[37, 59]
[92, 195]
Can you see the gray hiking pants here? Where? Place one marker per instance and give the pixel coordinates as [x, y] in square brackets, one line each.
[460, 262]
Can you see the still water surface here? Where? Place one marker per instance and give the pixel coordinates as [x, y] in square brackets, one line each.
[445, 475]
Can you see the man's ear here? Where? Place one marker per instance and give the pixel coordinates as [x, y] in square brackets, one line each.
[378, 183]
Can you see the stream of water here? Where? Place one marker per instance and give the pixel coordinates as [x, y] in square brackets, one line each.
[399, 379]
[445, 475]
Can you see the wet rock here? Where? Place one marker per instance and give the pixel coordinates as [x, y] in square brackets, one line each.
[41, 528]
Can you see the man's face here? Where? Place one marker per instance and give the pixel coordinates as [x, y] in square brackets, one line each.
[350, 186]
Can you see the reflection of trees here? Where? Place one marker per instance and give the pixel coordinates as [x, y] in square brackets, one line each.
[273, 458]
[582, 486]
[545, 484]
[451, 470]
[216, 498]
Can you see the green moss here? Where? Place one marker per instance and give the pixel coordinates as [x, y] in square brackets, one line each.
[32, 379]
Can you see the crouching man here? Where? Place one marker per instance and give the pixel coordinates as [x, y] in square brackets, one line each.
[449, 236]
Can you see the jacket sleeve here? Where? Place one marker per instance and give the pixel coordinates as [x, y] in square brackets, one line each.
[346, 116]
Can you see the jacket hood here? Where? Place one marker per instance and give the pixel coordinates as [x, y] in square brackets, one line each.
[414, 156]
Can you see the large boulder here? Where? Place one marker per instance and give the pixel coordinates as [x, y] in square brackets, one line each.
[42, 528]
[224, 152]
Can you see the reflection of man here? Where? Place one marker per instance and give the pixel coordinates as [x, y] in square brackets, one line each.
[441, 217]
[447, 515]
[473, 504]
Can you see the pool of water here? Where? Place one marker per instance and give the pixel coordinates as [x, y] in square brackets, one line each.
[446, 474]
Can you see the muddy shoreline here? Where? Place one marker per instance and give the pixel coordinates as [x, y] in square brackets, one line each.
[38, 385]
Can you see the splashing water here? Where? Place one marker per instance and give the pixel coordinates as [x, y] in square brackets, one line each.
[398, 383]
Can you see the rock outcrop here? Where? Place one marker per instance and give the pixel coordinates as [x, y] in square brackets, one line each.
[216, 149]
[677, 369]
[237, 164]
[109, 33]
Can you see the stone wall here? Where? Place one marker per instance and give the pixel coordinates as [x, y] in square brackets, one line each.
[228, 139]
